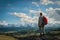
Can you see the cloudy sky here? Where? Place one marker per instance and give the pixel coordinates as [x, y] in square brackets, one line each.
[27, 11]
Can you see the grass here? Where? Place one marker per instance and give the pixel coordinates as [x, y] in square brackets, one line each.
[4, 37]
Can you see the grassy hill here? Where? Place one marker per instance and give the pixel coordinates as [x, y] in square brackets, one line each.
[4, 37]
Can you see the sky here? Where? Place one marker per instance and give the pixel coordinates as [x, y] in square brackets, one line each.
[27, 11]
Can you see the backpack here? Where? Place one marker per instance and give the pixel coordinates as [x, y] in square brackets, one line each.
[45, 20]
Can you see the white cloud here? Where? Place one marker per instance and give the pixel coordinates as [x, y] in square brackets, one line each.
[36, 13]
[53, 15]
[3, 23]
[46, 2]
[35, 3]
[58, 2]
[24, 17]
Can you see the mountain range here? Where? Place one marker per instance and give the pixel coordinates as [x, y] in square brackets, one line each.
[12, 27]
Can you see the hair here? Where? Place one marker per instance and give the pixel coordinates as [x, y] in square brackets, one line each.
[41, 14]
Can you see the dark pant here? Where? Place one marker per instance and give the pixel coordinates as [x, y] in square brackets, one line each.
[41, 28]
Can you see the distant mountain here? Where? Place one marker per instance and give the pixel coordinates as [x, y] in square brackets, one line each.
[5, 28]
[12, 27]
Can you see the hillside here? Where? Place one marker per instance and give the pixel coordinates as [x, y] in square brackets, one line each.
[53, 35]
[4, 37]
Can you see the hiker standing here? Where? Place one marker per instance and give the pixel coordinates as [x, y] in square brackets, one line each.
[41, 23]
